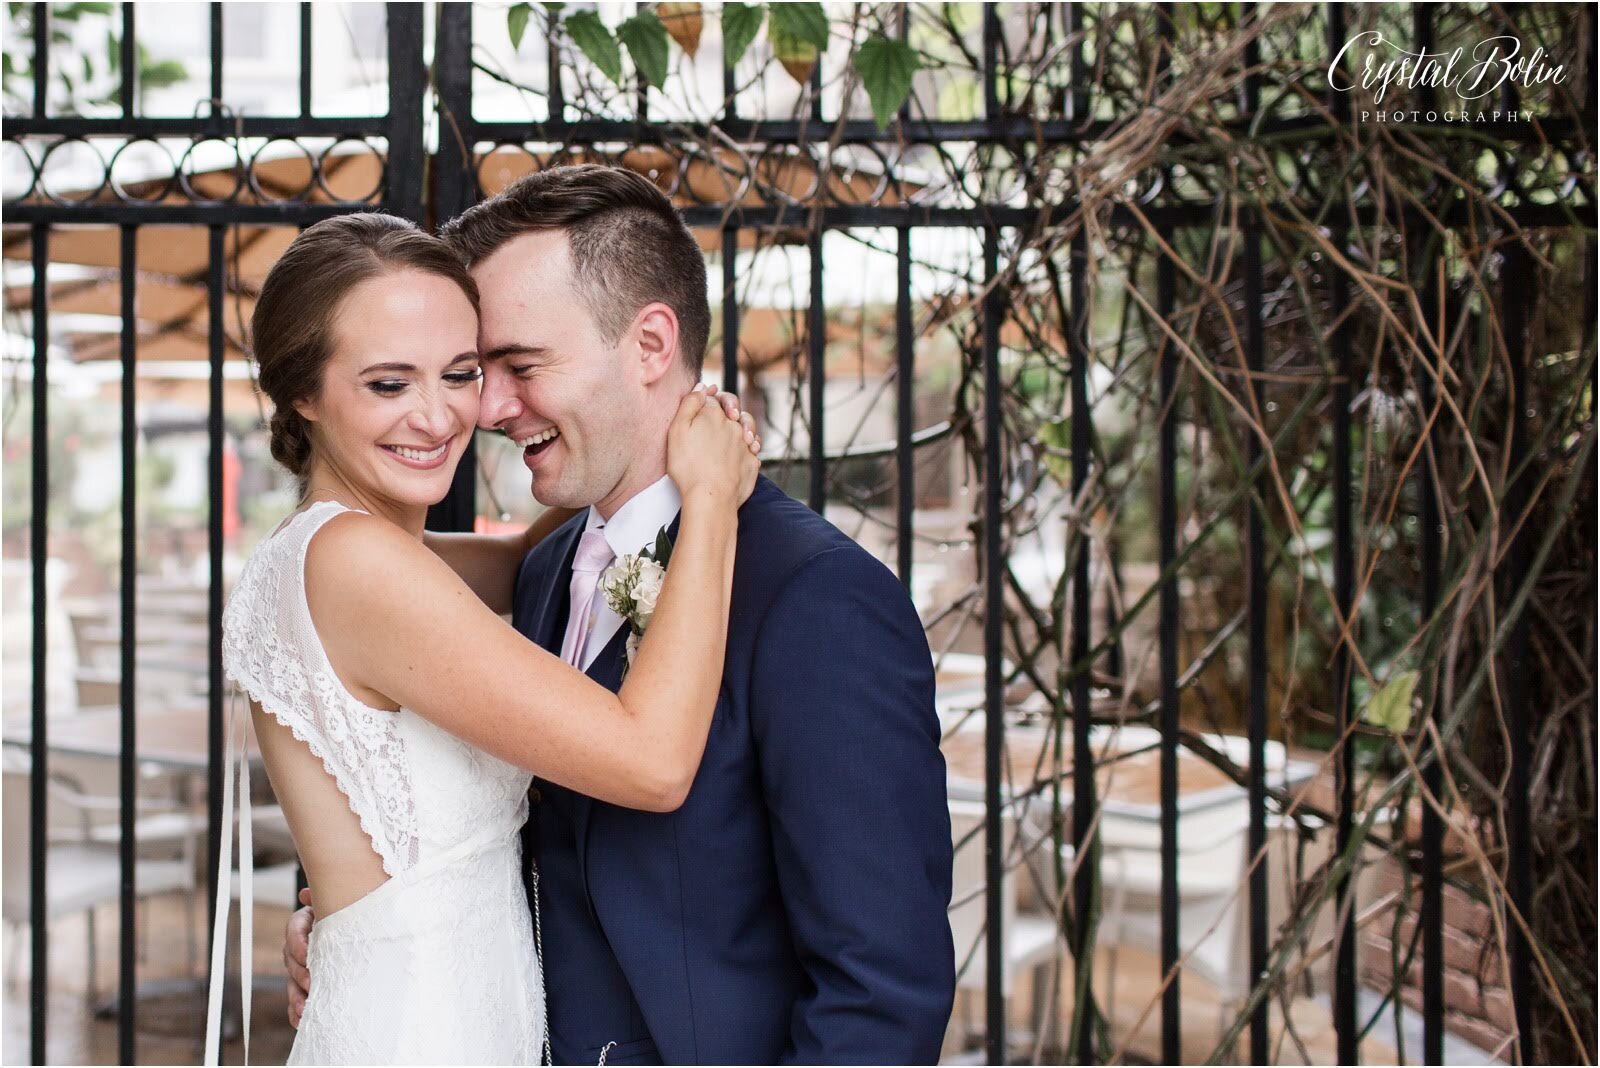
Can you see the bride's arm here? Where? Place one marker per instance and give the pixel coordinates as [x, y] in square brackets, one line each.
[400, 626]
[488, 563]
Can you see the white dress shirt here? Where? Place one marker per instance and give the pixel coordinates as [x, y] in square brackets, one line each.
[631, 529]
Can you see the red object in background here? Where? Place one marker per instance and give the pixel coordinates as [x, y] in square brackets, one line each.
[231, 468]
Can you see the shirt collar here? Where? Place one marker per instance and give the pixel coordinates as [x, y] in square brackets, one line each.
[634, 526]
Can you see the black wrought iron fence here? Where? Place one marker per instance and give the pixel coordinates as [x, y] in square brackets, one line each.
[1089, 175]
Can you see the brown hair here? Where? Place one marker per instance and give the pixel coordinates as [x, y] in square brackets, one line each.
[291, 330]
[630, 246]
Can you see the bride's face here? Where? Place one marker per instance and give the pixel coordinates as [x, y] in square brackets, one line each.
[399, 396]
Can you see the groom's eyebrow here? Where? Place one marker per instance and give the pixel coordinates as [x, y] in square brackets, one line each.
[502, 351]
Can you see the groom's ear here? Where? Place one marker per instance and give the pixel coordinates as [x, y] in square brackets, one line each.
[655, 329]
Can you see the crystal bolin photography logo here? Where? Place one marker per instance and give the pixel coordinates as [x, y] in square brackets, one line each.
[1492, 64]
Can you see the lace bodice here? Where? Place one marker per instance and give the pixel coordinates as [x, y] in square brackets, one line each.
[439, 964]
[417, 790]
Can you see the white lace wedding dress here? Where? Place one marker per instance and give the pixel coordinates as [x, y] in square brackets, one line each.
[439, 964]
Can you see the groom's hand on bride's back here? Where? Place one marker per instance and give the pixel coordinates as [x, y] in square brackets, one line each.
[296, 935]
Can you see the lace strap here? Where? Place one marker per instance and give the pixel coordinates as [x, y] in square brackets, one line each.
[219, 934]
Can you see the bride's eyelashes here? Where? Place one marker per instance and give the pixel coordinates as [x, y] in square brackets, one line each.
[393, 387]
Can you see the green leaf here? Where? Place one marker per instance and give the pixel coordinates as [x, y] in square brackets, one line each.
[806, 22]
[1056, 436]
[740, 24]
[886, 68]
[663, 550]
[596, 42]
[646, 39]
[517, 22]
[1390, 707]
[798, 55]
[161, 75]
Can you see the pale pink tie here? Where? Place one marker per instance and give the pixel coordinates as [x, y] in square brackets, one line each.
[594, 556]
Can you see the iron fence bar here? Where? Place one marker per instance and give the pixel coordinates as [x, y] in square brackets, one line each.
[710, 216]
[214, 430]
[905, 369]
[1256, 583]
[730, 88]
[1345, 1009]
[816, 379]
[408, 82]
[995, 1023]
[455, 184]
[556, 92]
[1077, 97]
[1432, 829]
[1345, 904]
[1514, 272]
[994, 707]
[730, 310]
[1166, 285]
[128, 57]
[305, 61]
[1171, 1001]
[128, 833]
[1084, 801]
[41, 64]
[216, 58]
[1006, 130]
[153, 126]
[39, 545]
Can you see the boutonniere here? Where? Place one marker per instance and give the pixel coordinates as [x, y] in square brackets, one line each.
[631, 586]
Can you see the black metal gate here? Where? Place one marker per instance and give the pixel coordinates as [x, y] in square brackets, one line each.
[430, 188]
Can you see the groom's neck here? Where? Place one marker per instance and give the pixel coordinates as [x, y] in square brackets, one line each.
[635, 482]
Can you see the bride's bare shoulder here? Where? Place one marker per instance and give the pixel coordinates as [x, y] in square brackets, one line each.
[355, 555]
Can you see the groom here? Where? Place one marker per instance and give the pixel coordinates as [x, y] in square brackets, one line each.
[794, 908]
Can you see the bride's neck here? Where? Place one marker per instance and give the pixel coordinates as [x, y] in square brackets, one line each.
[327, 484]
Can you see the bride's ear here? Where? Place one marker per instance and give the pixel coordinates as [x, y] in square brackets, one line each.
[307, 409]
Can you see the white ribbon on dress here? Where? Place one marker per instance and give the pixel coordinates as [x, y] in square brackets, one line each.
[219, 934]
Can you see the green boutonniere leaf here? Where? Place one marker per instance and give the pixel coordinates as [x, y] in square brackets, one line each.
[663, 548]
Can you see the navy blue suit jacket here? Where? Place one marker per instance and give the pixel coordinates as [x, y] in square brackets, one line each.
[795, 908]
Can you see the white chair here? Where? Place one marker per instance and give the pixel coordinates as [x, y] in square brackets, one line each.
[1031, 938]
[80, 875]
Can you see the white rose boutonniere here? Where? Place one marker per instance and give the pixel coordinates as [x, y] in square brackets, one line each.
[632, 585]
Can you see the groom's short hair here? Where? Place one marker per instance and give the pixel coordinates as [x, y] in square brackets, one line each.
[630, 246]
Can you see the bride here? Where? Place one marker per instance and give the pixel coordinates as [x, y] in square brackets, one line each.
[399, 718]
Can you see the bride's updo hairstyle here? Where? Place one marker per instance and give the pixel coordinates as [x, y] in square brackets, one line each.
[293, 328]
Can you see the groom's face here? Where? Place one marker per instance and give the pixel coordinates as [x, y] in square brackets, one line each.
[552, 383]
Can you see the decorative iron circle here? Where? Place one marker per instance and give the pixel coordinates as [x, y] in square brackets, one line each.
[126, 188]
[657, 164]
[503, 164]
[718, 178]
[186, 174]
[253, 176]
[847, 163]
[15, 154]
[57, 151]
[326, 176]
[783, 171]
